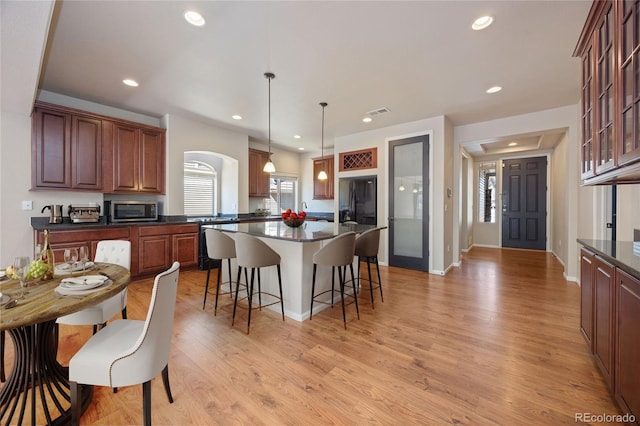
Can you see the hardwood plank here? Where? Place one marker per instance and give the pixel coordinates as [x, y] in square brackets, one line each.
[495, 341]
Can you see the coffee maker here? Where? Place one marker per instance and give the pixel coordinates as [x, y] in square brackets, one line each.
[55, 213]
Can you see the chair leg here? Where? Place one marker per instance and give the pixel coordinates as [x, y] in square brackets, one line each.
[341, 278]
[124, 313]
[206, 286]
[259, 291]
[354, 287]
[165, 380]
[333, 277]
[313, 289]
[280, 285]
[95, 328]
[2, 339]
[379, 280]
[370, 283]
[358, 279]
[146, 403]
[230, 280]
[235, 303]
[253, 271]
[74, 387]
[215, 309]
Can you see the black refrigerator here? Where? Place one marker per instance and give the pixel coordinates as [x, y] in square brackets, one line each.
[358, 200]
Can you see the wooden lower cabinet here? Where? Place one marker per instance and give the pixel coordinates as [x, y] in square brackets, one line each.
[153, 247]
[586, 296]
[160, 245]
[627, 354]
[603, 325]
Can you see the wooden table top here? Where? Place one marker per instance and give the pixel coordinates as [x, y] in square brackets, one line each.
[41, 305]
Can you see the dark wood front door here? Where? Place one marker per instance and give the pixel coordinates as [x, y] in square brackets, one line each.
[524, 203]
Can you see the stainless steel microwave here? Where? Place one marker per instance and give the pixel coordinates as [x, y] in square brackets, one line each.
[131, 211]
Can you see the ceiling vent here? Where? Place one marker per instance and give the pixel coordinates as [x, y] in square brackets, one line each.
[378, 111]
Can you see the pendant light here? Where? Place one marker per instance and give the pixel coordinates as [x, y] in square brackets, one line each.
[401, 187]
[269, 167]
[323, 174]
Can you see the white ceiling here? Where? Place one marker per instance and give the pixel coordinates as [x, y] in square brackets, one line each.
[420, 59]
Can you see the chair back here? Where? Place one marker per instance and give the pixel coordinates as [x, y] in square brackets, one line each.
[219, 245]
[254, 253]
[367, 243]
[150, 354]
[114, 251]
[339, 251]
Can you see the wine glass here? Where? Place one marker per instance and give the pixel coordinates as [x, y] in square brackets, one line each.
[67, 257]
[74, 257]
[20, 269]
[83, 253]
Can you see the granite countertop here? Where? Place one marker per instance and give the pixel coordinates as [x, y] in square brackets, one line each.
[307, 232]
[620, 253]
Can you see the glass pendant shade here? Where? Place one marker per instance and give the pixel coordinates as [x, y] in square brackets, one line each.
[322, 175]
[401, 188]
[269, 167]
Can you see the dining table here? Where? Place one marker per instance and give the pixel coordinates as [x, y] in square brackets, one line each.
[37, 388]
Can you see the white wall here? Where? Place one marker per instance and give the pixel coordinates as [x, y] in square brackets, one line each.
[558, 206]
[628, 211]
[187, 134]
[435, 127]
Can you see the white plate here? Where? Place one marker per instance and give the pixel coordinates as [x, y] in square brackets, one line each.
[84, 282]
[4, 299]
[67, 268]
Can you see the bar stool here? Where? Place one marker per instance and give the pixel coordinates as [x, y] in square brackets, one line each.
[253, 253]
[219, 247]
[337, 252]
[367, 245]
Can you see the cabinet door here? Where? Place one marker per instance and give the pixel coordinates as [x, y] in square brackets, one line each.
[185, 249]
[627, 372]
[258, 179]
[51, 149]
[629, 141]
[154, 254]
[603, 333]
[86, 153]
[587, 152]
[126, 158]
[323, 189]
[586, 296]
[151, 161]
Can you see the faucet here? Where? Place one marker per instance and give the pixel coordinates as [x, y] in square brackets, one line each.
[304, 206]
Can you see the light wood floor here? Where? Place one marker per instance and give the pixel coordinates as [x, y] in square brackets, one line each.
[495, 341]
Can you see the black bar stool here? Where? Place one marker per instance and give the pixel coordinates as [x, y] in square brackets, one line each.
[254, 253]
[367, 245]
[219, 247]
[337, 252]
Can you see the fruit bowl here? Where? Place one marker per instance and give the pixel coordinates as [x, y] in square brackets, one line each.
[294, 223]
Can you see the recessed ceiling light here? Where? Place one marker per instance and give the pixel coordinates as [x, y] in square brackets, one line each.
[494, 89]
[513, 143]
[367, 120]
[194, 18]
[482, 22]
[236, 117]
[297, 137]
[130, 82]
[301, 148]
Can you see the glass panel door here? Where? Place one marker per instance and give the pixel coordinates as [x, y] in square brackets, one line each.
[409, 203]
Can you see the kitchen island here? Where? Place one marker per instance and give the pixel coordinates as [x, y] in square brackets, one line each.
[296, 247]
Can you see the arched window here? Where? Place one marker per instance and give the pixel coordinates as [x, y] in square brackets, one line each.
[200, 183]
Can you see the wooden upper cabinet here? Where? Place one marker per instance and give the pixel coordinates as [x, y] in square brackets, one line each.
[136, 157]
[258, 179]
[323, 189]
[77, 150]
[610, 121]
[66, 149]
[628, 148]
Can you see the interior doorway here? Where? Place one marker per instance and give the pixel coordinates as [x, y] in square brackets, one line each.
[409, 203]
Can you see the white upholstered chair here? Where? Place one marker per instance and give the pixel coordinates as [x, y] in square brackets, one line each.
[109, 251]
[130, 352]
